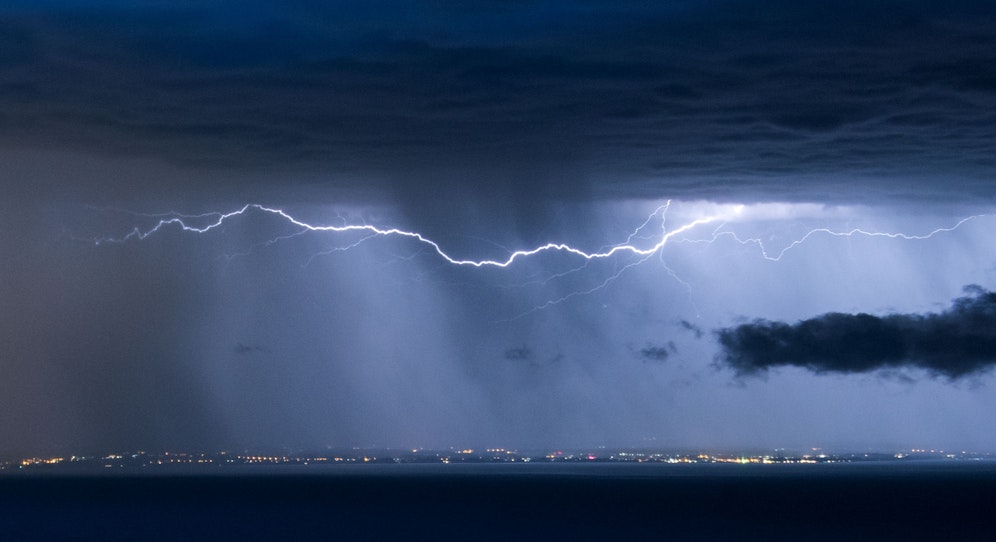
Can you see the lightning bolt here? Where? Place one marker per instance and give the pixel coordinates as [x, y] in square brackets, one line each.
[642, 242]
[777, 256]
[180, 221]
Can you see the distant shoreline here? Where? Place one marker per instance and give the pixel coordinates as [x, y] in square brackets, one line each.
[358, 459]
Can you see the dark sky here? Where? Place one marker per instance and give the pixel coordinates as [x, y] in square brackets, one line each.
[490, 127]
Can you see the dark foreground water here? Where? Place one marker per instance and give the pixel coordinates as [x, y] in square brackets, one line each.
[939, 501]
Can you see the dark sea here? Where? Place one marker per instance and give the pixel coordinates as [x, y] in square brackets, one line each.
[840, 502]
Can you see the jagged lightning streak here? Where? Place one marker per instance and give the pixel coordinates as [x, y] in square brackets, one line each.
[718, 233]
[179, 221]
[655, 242]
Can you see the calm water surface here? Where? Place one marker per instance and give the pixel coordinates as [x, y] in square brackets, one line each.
[861, 501]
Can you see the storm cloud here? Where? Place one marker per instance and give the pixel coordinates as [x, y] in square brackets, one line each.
[955, 343]
[713, 100]
[495, 127]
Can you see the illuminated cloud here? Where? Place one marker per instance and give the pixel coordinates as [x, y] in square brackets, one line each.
[955, 343]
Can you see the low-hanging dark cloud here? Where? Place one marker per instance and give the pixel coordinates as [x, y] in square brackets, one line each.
[245, 349]
[955, 343]
[658, 353]
[519, 353]
[694, 329]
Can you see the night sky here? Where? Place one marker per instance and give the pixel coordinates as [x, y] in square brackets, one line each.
[834, 163]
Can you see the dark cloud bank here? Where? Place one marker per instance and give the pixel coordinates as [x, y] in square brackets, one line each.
[712, 99]
[955, 343]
